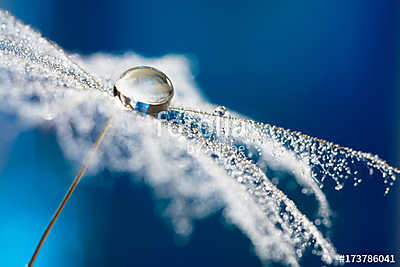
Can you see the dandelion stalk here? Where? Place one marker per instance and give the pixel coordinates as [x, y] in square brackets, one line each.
[69, 193]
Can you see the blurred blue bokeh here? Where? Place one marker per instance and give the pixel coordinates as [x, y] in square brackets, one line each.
[327, 68]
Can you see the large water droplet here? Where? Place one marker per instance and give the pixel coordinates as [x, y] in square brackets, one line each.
[144, 89]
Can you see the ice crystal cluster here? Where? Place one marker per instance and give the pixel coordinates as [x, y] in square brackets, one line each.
[198, 159]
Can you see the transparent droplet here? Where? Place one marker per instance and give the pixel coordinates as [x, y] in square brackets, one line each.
[48, 116]
[275, 181]
[144, 89]
[338, 187]
[387, 191]
[220, 111]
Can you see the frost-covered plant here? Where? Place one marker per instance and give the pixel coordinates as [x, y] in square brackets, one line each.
[199, 160]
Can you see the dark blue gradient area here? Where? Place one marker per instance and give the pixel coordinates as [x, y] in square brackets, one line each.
[327, 68]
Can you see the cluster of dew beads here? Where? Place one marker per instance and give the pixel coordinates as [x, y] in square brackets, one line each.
[25, 50]
[327, 160]
[215, 135]
[330, 160]
[281, 214]
[250, 142]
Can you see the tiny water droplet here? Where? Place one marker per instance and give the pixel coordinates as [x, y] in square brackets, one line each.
[387, 190]
[338, 187]
[305, 191]
[220, 111]
[326, 222]
[48, 116]
[275, 181]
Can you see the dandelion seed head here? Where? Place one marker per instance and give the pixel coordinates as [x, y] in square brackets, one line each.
[200, 163]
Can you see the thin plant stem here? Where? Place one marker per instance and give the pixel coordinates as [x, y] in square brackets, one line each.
[69, 193]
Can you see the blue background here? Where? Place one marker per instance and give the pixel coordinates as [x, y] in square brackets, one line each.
[327, 68]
